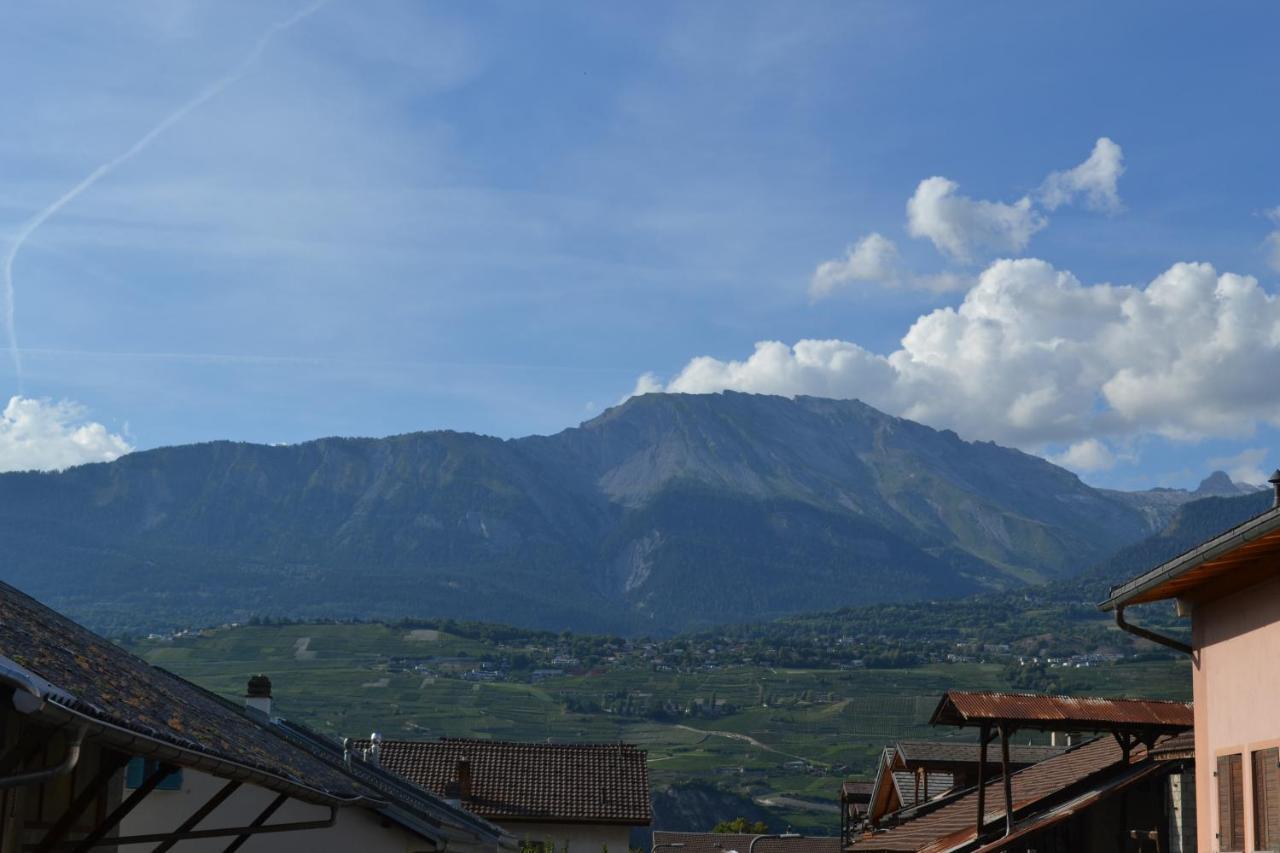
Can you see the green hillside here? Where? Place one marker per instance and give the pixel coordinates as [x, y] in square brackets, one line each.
[775, 732]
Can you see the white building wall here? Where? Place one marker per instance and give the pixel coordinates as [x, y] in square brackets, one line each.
[356, 828]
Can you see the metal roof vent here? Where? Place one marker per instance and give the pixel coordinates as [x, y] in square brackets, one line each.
[1275, 484]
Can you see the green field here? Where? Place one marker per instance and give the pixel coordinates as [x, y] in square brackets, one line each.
[337, 678]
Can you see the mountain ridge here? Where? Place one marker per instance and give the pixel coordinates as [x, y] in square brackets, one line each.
[666, 513]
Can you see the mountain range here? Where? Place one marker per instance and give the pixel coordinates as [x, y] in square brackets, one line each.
[667, 513]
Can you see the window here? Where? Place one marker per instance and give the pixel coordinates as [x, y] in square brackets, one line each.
[1266, 799]
[1230, 803]
[138, 769]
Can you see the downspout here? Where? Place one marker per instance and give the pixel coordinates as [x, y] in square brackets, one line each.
[67, 764]
[1177, 645]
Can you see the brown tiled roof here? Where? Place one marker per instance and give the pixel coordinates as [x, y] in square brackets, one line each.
[123, 697]
[854, 789]
[1031, 710]
[920, 752]
[951, 824]
[716, 842]
[1040, 819]
[1176, 747]
[578, 783]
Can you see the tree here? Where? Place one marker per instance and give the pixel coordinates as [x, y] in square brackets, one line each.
[740, 826]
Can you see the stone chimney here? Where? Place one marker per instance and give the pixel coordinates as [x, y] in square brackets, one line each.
[1275, 484]
[257, 698]
[464, 778]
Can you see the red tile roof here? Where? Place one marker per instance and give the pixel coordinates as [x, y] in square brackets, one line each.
[1030, 710]
[951, 824]
[716, 842]
[572, 783]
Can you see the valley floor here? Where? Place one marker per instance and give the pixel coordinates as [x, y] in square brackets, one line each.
[771, 740]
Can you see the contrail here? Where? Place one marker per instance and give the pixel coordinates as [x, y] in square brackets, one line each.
[210, 91]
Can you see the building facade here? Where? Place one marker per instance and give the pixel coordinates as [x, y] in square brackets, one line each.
[1229, 587]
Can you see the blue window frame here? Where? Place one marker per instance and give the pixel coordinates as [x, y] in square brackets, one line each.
[139, 768]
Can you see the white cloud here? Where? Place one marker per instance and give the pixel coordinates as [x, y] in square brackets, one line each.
[648, 383]
[1272, 242]
[874, 258]
[1095, 180]
[960, 226]
[1245, 466]
[1087, 455]
[957, 224]
[48, 436]
[1032, 357]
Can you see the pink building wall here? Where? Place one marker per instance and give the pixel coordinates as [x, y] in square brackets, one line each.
[1236, 684]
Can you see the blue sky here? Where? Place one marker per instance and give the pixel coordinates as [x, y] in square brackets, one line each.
[498, 217]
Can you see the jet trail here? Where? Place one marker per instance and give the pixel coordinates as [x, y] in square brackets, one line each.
[212, 90]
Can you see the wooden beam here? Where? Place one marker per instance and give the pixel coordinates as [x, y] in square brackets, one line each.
[1008, 782]
[984, 735]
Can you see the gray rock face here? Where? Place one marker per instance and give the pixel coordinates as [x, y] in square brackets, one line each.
[666, 513]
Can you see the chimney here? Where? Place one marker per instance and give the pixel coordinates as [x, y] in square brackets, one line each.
[1275, 484]
[375, 749]
[257, 698]
[464, 778]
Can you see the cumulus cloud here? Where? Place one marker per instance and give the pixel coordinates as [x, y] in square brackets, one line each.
[1088, 455]
[1034, 358]
[1245, 466]
[873, 258]
[49, 436]
[957, 224]
[1095, 180]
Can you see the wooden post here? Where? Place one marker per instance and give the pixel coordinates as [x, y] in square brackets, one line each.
[984, 735]
[1008, 783]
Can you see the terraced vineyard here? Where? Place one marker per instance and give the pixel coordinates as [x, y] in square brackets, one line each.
[779, 739]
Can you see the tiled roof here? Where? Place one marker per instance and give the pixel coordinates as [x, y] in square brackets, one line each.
[1040, 819]
[954, 822]
[958, 707]
[716, 842]
[427, 814]
[854, 789]
[913, 752]
[582, 783]
[123, 697]
[1177, 747]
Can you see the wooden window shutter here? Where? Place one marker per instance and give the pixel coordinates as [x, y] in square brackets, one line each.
[1230, 804]
[1266, 799]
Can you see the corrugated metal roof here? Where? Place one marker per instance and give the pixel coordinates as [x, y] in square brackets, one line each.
[1030, 710]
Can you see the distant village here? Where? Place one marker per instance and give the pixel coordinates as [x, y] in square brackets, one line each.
[104, 751]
